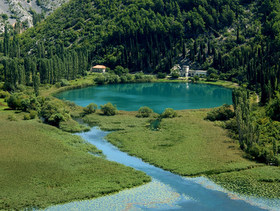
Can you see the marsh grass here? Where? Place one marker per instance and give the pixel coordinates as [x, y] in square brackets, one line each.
[42, 165]
[191, 146]
[261, 182]
[186, 145]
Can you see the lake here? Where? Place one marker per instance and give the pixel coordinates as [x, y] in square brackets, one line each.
[158, 96]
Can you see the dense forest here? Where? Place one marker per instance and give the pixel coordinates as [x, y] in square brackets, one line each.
[237, 40]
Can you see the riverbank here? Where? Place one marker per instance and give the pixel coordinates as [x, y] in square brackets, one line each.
[42, 165]
[188, 145]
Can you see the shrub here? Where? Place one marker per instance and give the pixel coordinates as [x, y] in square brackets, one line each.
[54, 112]
[109, 110]
[100, 79]
[144, 112]
[119, 70]
[26, 117]
[175, 74]
[221, 114]
[90, 109]
[33, 114]
[12, 118]
[14, 102]
[169, 113]
[64, 82]
[161, 75]
[4, 94]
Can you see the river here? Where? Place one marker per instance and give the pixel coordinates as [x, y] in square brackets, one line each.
[167, 191]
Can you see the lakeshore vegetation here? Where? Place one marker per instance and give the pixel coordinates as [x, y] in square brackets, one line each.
[140, 41]
[189, 145]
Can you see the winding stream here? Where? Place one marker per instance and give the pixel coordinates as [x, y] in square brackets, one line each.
[167, 191]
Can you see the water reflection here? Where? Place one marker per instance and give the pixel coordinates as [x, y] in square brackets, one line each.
[158, 96]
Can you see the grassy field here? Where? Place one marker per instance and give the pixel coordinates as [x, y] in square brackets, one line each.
[42, 165]
[190, 146]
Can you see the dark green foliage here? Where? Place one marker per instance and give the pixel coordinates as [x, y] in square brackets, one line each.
[161, 75]
[273, 110]
[222, 113]
[33, 114]
[14, 101]
[36, 85]
[258, 135]
[54, 112]
[144, 112]
[109, 109]
[4, 94]
[119, 70]
[175, 74]
[90, 109]
[169, 113]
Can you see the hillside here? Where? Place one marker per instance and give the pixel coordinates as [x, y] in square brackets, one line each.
[25, 11]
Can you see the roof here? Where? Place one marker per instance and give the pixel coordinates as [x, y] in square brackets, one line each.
[99, 67]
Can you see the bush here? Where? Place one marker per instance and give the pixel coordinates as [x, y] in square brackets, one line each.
[161, 75]
[100, 79]
[90, 109]
[119, 70]
[33, 114]
[12, 118]
[221, 114]
[54, 112]
[109, 110]
[4, 94]
[169, 113]
[14, 102]
[26, 117]
[144, 112]
[175, 74]
[64, 82]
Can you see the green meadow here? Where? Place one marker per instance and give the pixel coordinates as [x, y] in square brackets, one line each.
[42, 165]
[191, 146]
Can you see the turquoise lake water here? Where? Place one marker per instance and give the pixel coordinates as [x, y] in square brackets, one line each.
[158, 96]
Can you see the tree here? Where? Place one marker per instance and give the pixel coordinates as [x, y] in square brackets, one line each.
[169, 113]
[144, 112]
[90, 109]
[109, 109]
[36, 84]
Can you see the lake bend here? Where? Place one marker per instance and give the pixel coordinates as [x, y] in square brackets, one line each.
[167, 191]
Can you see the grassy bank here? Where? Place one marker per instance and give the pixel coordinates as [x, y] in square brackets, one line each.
[41, 165]
[226, 84]
[190, 146]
